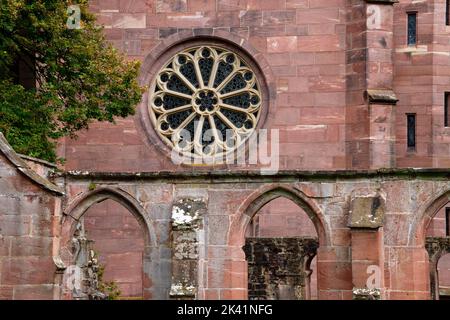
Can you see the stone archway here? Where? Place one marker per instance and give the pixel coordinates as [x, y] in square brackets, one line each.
[76, 210]
[250, 208]
[436, 247]
[261, 197]
[424, 218]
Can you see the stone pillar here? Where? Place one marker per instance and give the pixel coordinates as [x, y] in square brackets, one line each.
[187, 239]
[370, 97]
[277, 267]
[382, 130]
[380, 96]
[366, 221]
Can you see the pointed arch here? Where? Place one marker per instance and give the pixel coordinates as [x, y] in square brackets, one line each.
[424, 217]
[76, 210]
[264, 195]
[82, 203]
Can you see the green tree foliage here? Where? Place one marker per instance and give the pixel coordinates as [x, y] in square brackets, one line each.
[109, 288]
[80, 76]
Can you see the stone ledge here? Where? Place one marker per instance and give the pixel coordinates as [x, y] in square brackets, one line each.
[383, 1]
[382, 96]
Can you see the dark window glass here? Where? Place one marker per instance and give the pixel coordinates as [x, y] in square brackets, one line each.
[411, 119]
[447, 12]
[23, 72]
[412, 28]
[446, 111]
[447, 222]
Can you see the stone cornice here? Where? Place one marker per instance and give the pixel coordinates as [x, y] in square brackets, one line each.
[256, 175]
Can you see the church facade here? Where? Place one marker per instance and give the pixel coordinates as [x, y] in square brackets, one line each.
[289, 149]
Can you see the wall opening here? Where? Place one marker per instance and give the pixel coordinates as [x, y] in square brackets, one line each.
[438, 247]
[443, 272]
[446, 111]
[119, 242]
[411, 131]
[447, 12]
[412, 28]
[111, 223]
[281, 243]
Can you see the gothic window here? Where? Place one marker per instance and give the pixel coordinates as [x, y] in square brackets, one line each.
[447, 12]
[205, 101]
[447, 222]
[412, 28]
[411, 131]
[446, 109]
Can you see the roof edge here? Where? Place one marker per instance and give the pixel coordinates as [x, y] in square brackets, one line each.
[23, 167]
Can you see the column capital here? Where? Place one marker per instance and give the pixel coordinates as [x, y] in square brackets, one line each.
[366, 213]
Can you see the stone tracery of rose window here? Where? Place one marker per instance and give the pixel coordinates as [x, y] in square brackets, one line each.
[205, 101]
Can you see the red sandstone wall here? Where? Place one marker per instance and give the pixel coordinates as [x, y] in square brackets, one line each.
[118, 239]
[413, 83]
[302, 41]
[422, 76]
[27, 269]
[310, 48]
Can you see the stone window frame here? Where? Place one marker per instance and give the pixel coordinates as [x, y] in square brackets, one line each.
[177, 105]
[204, 36]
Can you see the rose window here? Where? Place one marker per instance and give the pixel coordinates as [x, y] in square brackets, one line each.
[205, 101]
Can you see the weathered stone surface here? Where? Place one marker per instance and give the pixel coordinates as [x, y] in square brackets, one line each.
[382, 96]
[187, 224]
[277, 267]
[367, 212]
[366, 294]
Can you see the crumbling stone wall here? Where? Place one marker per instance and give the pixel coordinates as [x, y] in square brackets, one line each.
[278, 267]
[187, 245]
[82, 277]
[283, 218]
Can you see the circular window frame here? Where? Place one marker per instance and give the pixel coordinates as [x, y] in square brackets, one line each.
[163, 53]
